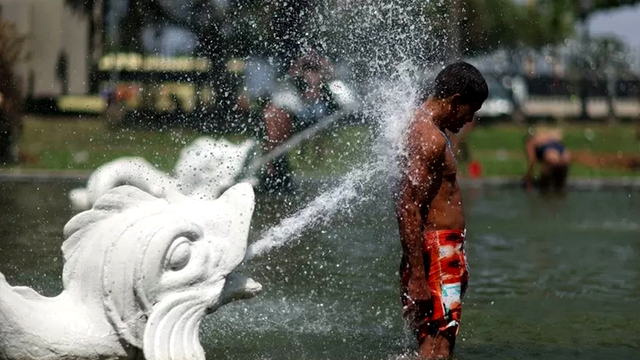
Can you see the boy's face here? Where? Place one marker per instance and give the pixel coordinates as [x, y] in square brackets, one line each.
[461, 113]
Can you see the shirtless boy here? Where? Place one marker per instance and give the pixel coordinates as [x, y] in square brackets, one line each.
[429, 211]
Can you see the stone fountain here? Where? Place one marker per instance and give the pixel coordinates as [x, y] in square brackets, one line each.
[204, 169]
[140, 273]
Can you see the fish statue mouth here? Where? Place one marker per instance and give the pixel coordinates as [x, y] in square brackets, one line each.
[188, 272]
[173, 326]
[238, 287]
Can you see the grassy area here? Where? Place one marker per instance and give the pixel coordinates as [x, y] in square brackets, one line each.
[84, 144]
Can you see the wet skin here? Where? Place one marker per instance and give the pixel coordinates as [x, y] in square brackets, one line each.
[430, 198]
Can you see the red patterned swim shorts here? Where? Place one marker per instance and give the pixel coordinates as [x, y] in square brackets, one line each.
[448, 276]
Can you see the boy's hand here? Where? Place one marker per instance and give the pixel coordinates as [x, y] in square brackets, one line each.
[419, 305]
[419, 289]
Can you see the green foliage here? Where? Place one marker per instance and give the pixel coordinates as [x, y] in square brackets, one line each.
[609, 54]
[242, 27]
[508, 24]
[490, 26]
[552, 21]
[252, 25]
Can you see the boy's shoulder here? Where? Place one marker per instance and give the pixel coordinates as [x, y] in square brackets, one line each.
[426, 136]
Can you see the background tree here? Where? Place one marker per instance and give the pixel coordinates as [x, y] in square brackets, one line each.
[507, 24]
[223, 28]
[243, 26]
[608, 54]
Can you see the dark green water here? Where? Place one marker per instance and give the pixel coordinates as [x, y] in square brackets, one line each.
[551, 278]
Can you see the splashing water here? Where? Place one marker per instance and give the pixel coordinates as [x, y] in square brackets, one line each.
[320, 211]
[395, 101]
[392, 37]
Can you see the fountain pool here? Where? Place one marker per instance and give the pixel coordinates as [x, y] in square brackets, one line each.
[551, 277]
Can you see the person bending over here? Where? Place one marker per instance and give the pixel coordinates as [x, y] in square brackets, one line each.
[429, 211]
[546, 148]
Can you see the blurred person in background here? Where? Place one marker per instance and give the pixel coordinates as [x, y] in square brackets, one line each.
[301, 102]
[546, 148]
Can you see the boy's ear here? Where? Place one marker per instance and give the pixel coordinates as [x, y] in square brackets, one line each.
[455, 101]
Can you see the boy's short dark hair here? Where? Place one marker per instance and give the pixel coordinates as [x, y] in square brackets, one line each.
[461, 78]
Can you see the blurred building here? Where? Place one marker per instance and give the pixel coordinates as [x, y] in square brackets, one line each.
[56, 55]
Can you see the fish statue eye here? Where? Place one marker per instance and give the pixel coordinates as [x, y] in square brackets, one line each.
[179, 254]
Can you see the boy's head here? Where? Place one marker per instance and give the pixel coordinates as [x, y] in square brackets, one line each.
[463, 89]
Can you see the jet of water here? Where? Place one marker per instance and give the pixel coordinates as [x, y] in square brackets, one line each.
[393, 108]
[320, 211]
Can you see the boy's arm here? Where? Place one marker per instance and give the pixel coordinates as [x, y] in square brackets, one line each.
[420, 185]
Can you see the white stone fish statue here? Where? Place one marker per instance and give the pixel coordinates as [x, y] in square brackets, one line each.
[140, 273]
[204, 169]
[134, 171]
[208, 166]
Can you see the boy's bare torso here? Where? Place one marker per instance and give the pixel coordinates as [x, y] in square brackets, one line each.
[445, 212]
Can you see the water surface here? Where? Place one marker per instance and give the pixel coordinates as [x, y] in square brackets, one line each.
[551, 277]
